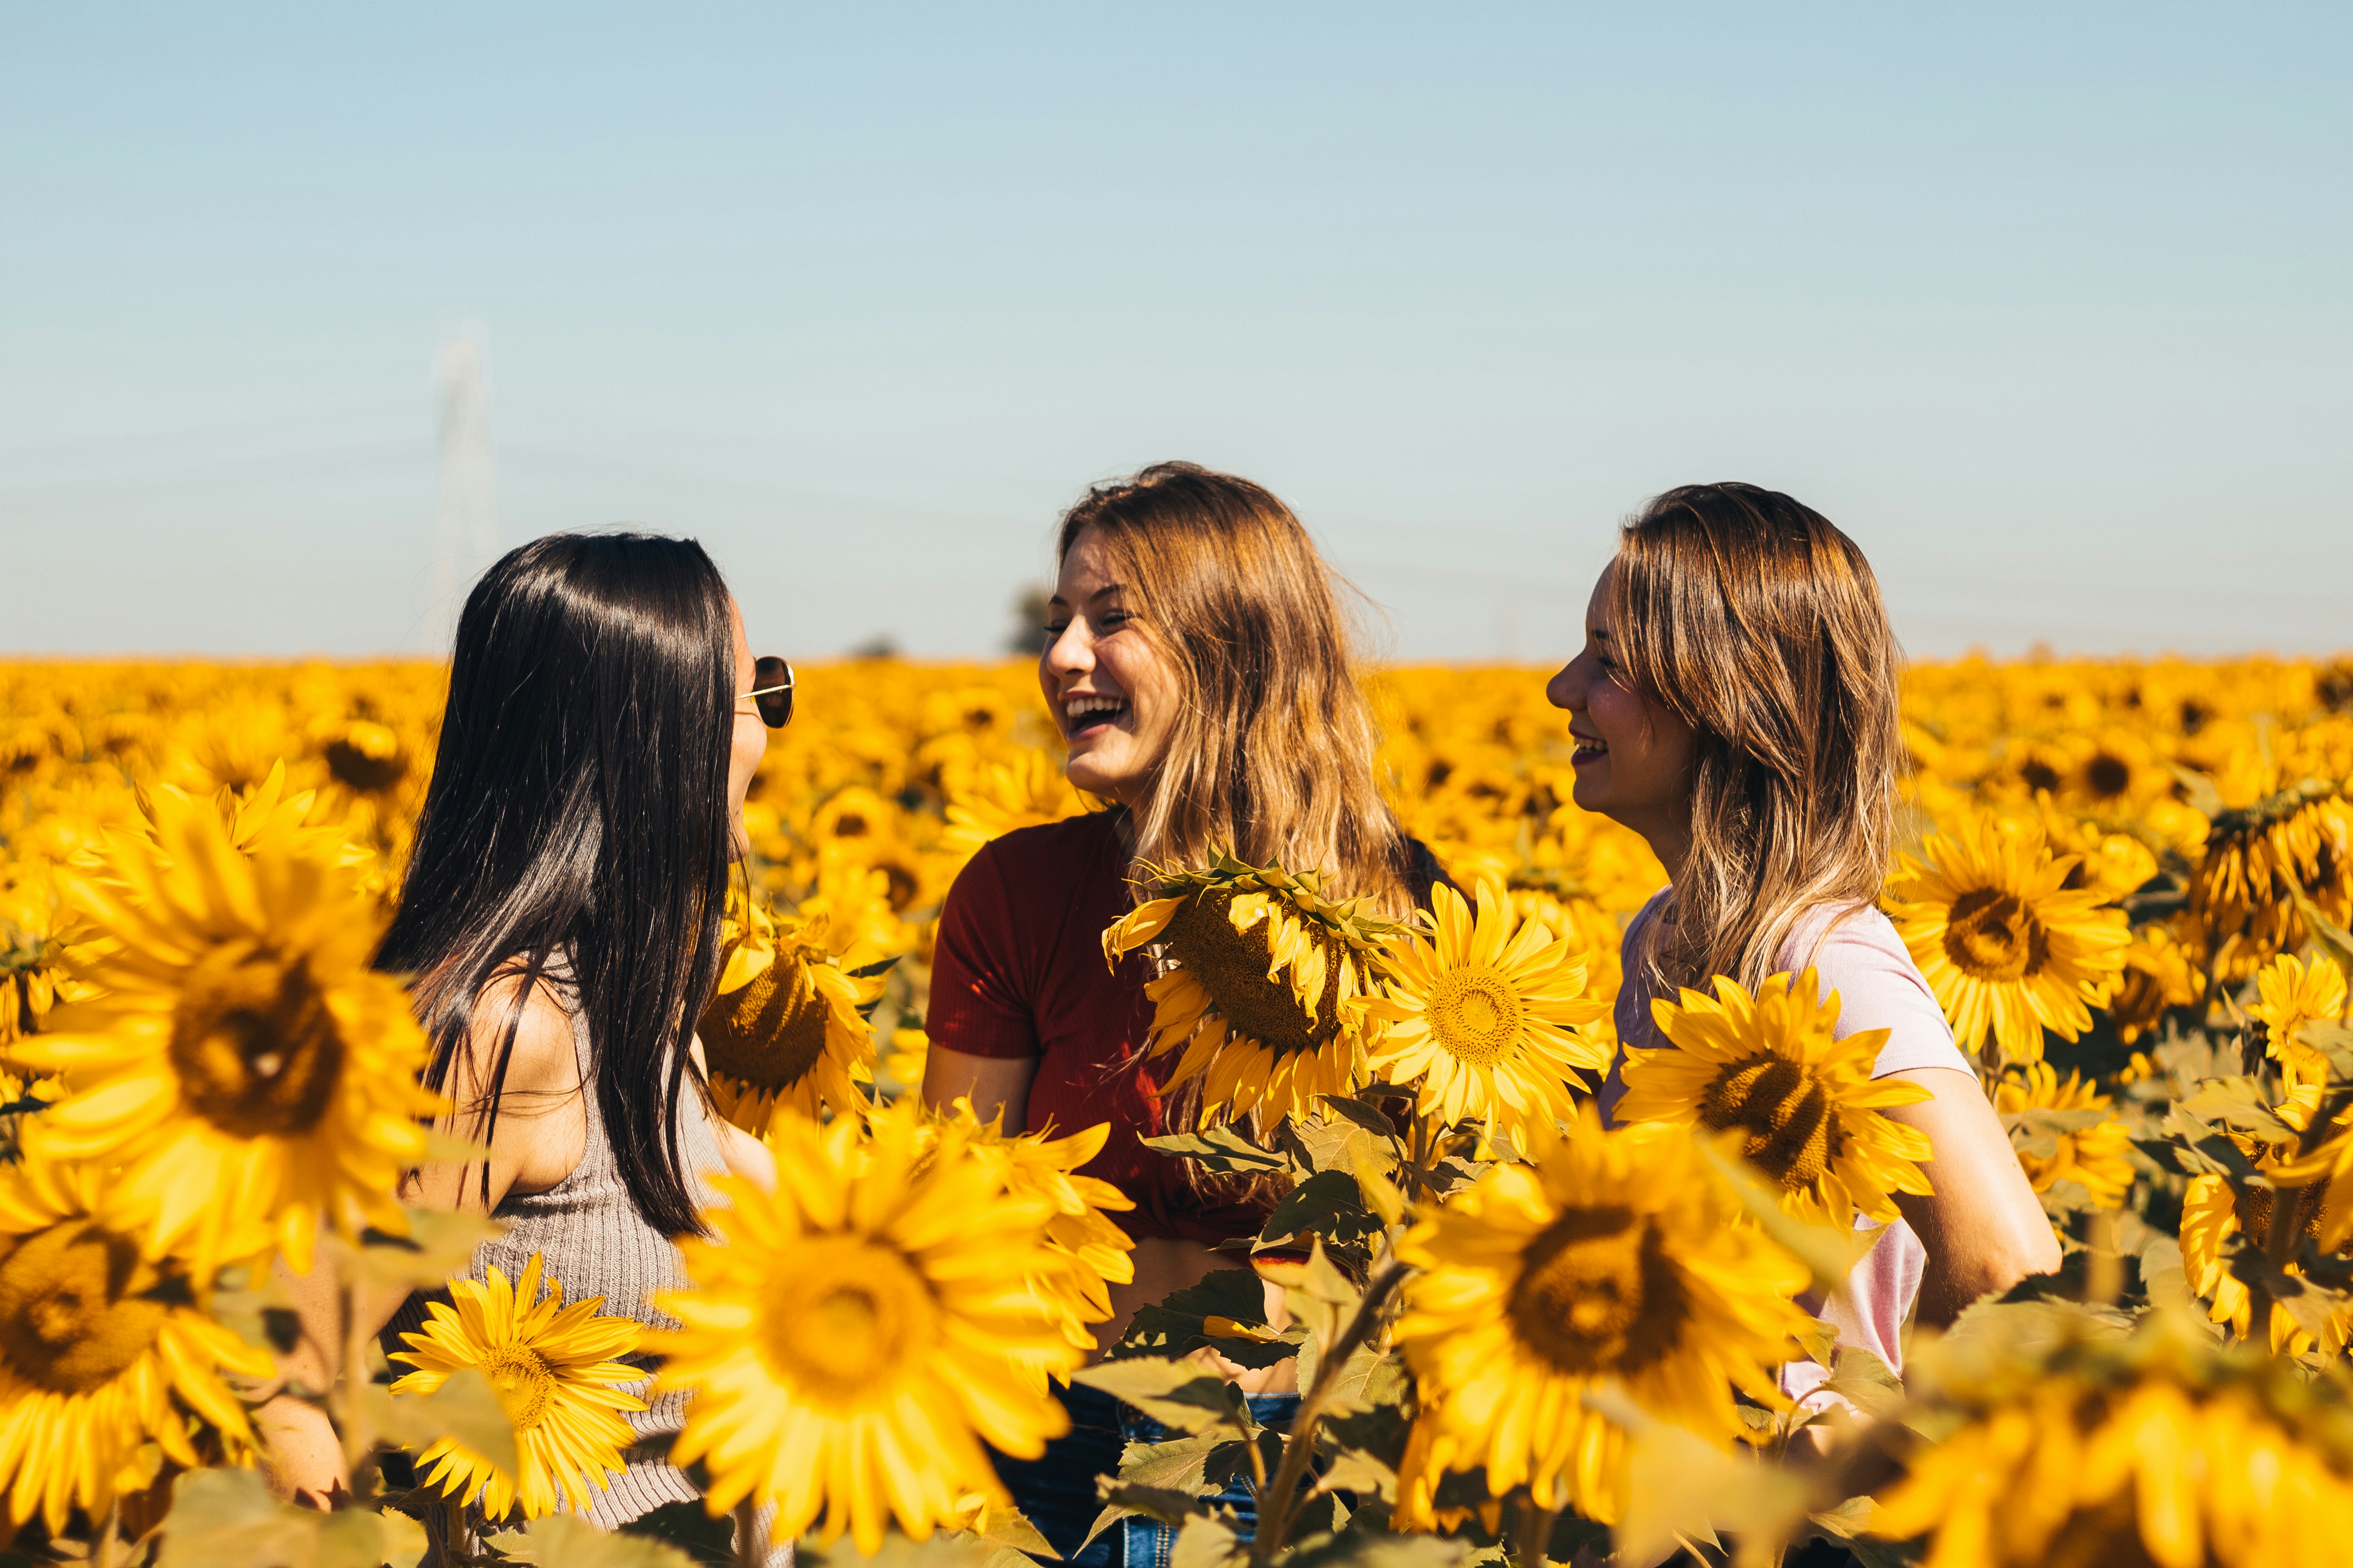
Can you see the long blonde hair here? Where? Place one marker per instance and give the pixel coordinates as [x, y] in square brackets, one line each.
[1272, 756]
[1759, 624]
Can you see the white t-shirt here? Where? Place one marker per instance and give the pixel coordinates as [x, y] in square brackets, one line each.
[1879, 986]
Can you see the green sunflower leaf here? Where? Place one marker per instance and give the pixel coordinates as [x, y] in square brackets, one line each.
[465, 1410]
[1175, 1393]
[1178, 1325]
[1329, 1205]
[1221, 1149]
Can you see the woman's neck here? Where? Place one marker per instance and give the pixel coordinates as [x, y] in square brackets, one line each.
[1671, 842]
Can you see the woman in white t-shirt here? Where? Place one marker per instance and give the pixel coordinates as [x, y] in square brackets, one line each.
[1735, 705]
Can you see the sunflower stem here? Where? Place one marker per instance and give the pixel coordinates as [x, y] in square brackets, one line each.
[109, 1537]
[1533, 1527]
[1280, 1504]
[748, 1545]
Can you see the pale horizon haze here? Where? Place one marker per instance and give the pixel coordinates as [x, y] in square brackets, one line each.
[2050, 308]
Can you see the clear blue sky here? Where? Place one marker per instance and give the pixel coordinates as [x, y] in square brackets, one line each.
[2050, 307]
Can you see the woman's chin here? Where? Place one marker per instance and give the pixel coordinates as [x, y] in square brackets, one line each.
[1105, 782]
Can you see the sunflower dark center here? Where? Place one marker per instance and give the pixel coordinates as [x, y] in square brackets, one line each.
[2106, 776]
[1597, 1294]
[847, 1320]
[256, 1049]
[78, 1307]
[769, 1033]
[367, 758]
[1231, 967]
[2254, 1206]
[1991, 935]
[1792, 1134]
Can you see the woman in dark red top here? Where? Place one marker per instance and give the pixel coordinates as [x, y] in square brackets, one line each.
[1199, 665]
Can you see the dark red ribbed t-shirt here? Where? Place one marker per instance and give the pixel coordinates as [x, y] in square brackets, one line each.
[1018, 971]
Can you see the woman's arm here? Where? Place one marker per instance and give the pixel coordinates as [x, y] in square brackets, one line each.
[1984, 1229]
[542, 1130]
[991, 1083]
[746, 1156]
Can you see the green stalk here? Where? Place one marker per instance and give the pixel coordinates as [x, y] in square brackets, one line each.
[1280, 1505]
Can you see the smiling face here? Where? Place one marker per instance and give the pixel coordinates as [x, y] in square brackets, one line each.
[1112, 691]
[1633, 757]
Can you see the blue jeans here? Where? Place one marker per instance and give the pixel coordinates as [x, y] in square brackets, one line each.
[1057, 1490]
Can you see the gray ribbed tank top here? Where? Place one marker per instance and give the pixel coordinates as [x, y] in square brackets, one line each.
[591, 1237]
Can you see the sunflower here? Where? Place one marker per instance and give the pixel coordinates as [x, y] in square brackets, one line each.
[783, 1028]
[2290, 996]
[2161, 1450]
[243, 1060]
[556, 1375]
[2092, 1156]
[103, 1349]
[1479, 1014]
[1265, 988]
[1094, 1250]
[2212, 1211]
[36, 930]
[1806, 1107]
[2259, 860]
[1611, 1257]
[2157, 976]
[2006, 948]
[861, 1333]
[1025, 792]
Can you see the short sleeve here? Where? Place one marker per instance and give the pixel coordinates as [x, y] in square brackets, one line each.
[1879, 988]
[979, 1005]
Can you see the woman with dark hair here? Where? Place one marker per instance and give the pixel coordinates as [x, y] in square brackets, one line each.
[1735, 704]
[1198, 665]
[561, 920]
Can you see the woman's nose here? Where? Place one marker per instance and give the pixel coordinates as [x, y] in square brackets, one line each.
[1072, 653]
[1565, 690]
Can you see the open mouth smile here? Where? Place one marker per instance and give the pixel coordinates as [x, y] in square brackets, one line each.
[1090, 713]
[1589, 750]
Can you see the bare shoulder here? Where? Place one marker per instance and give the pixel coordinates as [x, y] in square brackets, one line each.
[542, 1058]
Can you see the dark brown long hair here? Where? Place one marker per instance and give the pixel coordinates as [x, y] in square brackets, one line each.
[577, 816]
[1761, 624]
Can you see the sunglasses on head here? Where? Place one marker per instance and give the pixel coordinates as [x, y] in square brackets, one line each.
[772, 690]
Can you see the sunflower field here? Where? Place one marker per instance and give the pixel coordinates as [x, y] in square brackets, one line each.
[1522, 1336]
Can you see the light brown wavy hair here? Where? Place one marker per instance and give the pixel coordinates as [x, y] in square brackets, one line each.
[1271, 756]
[1758, 622]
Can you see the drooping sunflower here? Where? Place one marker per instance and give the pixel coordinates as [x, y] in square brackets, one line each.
[2289, 997]
[858, 1335]
[1094, 1250]
[103, 1348]
[2091, 1155]
[556, 1373]
[1264, 988]
[1612, 1256]
[2212, 1211]
[2258, 861]
[1806, 1107]
[2008, 950]
[1482, 1015]
[2159, 1450]
[783, 1030]
[242, 1059]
